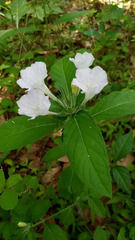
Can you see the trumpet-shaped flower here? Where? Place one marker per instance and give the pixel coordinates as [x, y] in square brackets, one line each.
[91, 82]
[33, 104]
[84, 60]
[33, 78]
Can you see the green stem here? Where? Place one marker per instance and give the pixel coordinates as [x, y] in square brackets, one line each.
[47, 25]
[54, 215]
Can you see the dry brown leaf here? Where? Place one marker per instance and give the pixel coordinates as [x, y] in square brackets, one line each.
[66, 164]
[87, 215]
[126, 161]
[64, 159]
[50, 174]
[58, 134]
[35, 164]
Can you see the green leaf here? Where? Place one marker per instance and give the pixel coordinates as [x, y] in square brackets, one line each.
[70, 16]
[19, 131]
[62, 73]
[87, 153]
[121, 235]
[97, 207]
[5, 103]
[13, 180]
[91, 32]
[31, 234]
[54, 153]
[53, 232]
[18, 9]
[101, 234]
[9, 81]
[2, 180]
[4, 34]
[132, 233]
[69, 184]
[8, 199]
[112, 12]
[123, 146]
[37, 210]
[122, 177]
[67, 217]
[84, 236]
[115, 105]
[40, 14]
[56, 107]
[31, 181]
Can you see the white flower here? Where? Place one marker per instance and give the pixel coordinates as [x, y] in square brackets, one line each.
[33, 78]
[84, 60]
[33, 104]
[91, 82]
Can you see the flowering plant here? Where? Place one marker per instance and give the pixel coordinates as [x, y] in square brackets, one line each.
[82, 140]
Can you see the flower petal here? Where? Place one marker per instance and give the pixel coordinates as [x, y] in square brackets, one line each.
[84, 60]
[99, 77]
[33, 76]
[33, 104]
[82, 79]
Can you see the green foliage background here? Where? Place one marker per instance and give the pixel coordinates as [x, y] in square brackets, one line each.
[45, 31]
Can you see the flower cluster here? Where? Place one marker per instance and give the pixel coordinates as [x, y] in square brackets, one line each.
[36, 101]
[90, 81]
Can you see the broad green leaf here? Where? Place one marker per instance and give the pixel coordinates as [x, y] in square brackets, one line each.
[18, 9]
[2, 180]
[40, 14]
[20, 131]
[7, 230]
[62, 73]
[67, 217]
[101, 234]
[54, 153]
[13, 180]
[69, 184]
[97, 207]
[70, 16]
[123, 146]
[4, 34]
[112, 12]
[8, 199]
[115, 105]
[19, 213]
[87, 153]
[53, 232]
[122, 177]
[37, 210]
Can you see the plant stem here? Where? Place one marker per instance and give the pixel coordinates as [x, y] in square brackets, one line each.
[54, 215]
[47, 26]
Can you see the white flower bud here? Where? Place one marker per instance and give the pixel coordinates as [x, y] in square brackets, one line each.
[22, 224]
